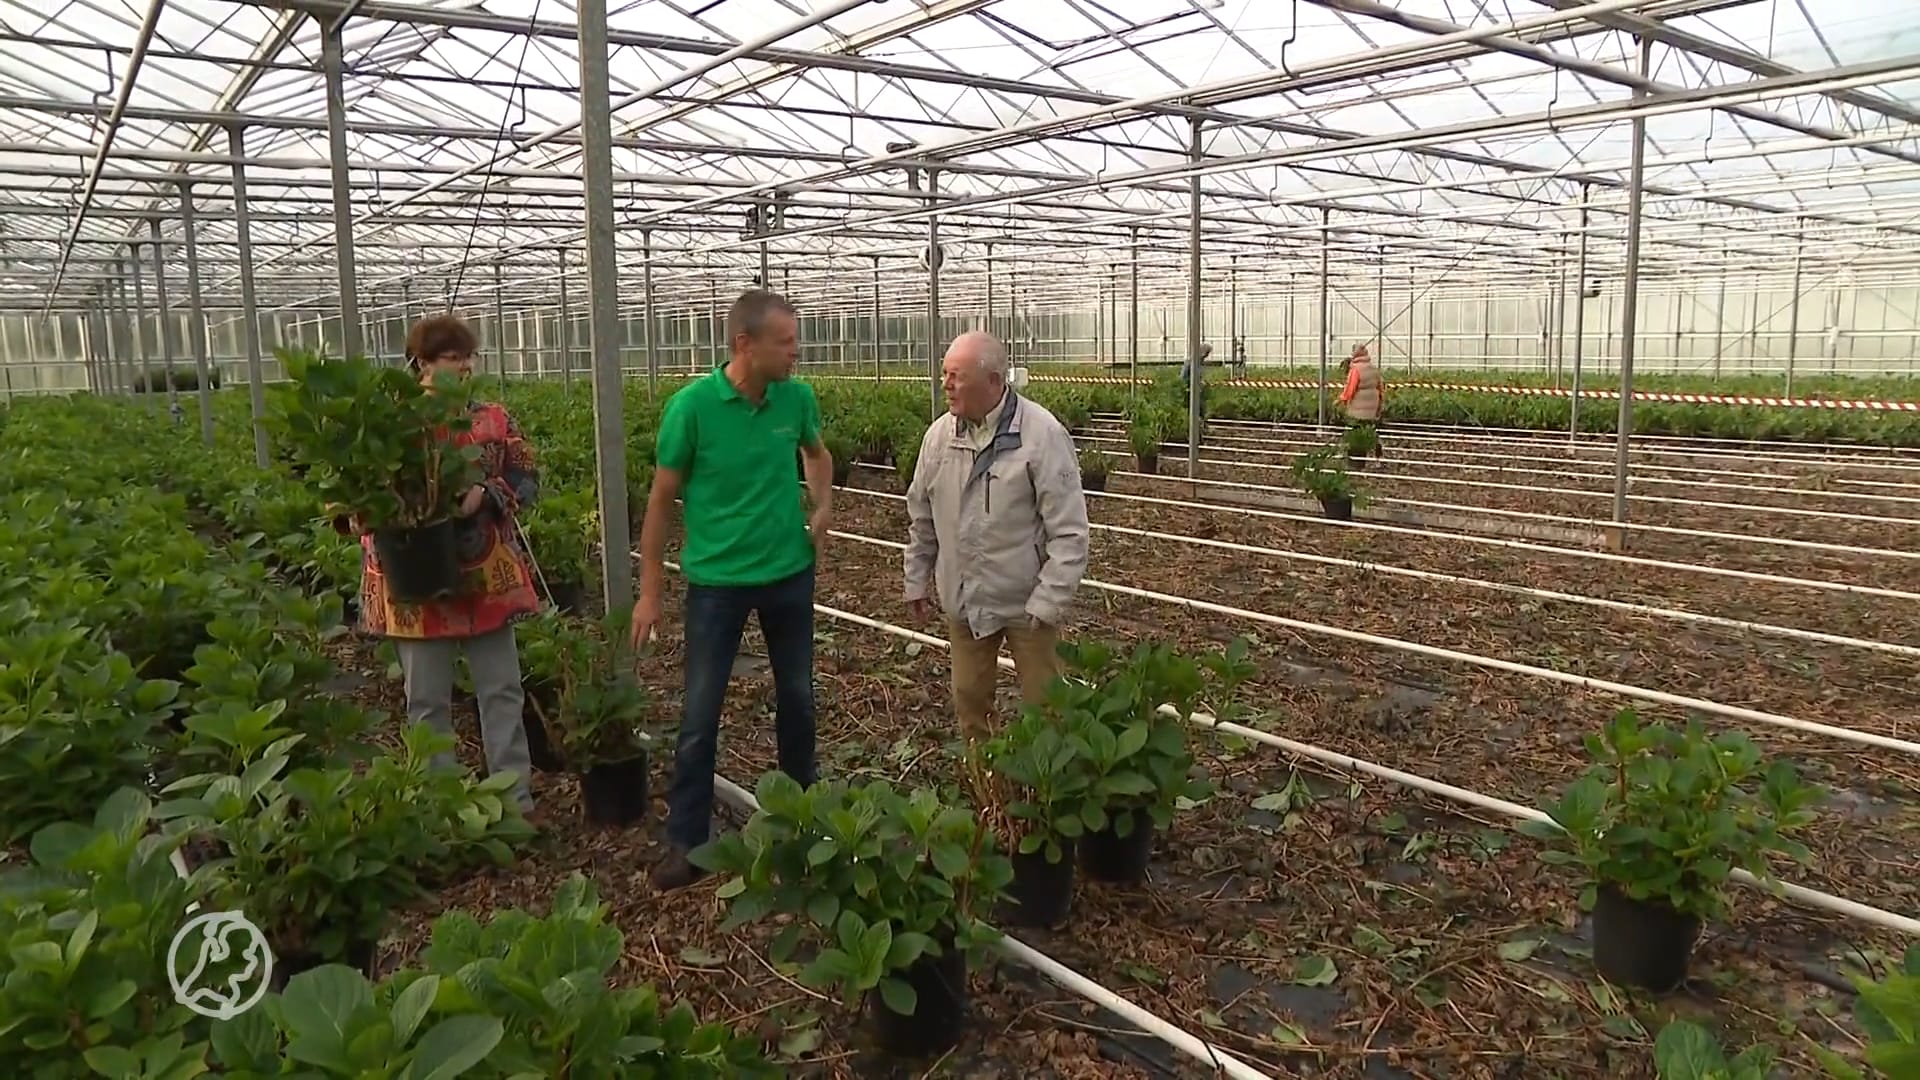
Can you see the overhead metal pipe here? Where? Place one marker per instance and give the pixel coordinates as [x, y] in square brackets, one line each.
[127, 80]
[1569, 61]
[653, 87]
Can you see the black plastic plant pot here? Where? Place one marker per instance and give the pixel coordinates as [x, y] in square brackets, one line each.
[939, 1011]
[1041, 893]
[1642, 943]
[1122, 860]
[419, 564]
[541, 752]
[360, 957]
[1093, 481]
[570, 597]
[842, 472]
[615, 793]
[1337, 507]
[1149, 463]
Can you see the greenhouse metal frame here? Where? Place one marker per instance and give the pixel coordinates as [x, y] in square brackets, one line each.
[195, 181]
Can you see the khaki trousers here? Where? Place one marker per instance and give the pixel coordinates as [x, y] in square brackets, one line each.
[976, 670]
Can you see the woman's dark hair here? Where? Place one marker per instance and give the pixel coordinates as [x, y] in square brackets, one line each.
[438, 335]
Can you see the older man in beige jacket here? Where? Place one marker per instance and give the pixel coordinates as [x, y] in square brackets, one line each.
[997, 527]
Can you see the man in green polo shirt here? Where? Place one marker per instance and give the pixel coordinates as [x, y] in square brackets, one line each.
[726, 448]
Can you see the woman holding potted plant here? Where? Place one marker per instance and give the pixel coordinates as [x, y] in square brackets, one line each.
[496, 577]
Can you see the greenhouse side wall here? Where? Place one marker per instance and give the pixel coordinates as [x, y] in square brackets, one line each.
[1698, 331]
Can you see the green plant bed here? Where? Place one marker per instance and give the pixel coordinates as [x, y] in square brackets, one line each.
[1467, 409]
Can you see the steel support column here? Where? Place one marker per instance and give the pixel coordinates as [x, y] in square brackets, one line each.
[1720, 313]
[566, 324]
[140, 328]
[1196, 391]
[933, 301]
[500, 320]
[876, 319]
[1380, 307]
[1133, 306]
[163, 316]
[1630, 299]
[603, 301]
[1793, 313]
[653, 323]
[1558, 353]
[1579, 314]
[1233, 312]
[249, 310]
[991, 329]
[334, 66]
[1326, 309]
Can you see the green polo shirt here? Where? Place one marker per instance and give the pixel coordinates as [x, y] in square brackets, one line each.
[744, 518]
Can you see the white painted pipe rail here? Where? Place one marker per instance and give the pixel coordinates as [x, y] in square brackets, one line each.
[1605, 440]
[1749, 508]
[1495, 541]
[1453, 458]
[1704, 705]
[1675, 614]
[1894, 460]
[1198, 1049]
[1811, 898]
[1641, 526]
[1472, 538]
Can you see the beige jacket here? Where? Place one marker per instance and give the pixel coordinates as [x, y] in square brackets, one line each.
[1364, 391]
[1001, 533]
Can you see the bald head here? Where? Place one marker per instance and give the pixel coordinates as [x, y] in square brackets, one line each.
[974, 374]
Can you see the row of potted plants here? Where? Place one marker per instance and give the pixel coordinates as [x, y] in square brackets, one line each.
[96, 969]
[284, 801]
[1090, 776]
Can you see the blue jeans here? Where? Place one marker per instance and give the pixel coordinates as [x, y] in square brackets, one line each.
[715, 618]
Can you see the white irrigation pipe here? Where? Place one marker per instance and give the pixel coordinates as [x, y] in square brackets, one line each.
[1784, 449]
[1675, 614]
[1641, 526]
[1714, 708]
[1599, 523]
[1806, 897]
[1486, 541]
[1645, 445]
[1531, 489]
[1173, 1036]
[1602, 447]
[1451, 458]
[1494, 541]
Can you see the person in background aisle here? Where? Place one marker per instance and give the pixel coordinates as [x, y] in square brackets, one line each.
[997, 524]
[1365, 392]
[478, 621]
[726, 447]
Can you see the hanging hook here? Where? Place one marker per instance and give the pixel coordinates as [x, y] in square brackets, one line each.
[1293, 35]
[1706, 148]
[1553, 128]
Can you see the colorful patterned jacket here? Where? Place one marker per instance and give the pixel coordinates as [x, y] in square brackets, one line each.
[498, 571]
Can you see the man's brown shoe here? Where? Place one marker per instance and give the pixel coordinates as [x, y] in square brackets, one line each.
[675, 871]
